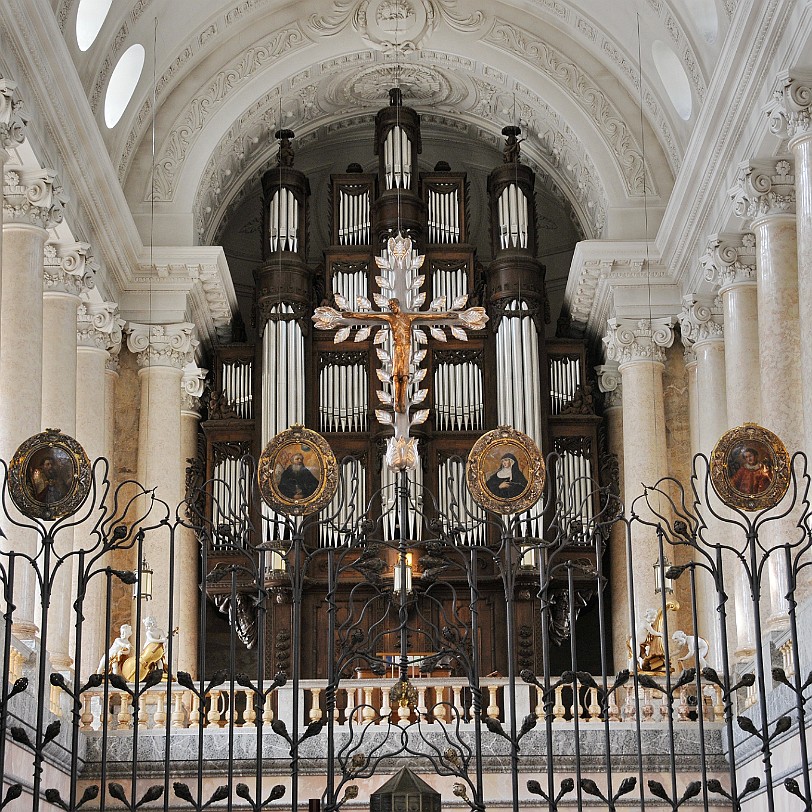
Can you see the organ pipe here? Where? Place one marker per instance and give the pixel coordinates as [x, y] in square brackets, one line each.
[513, 217]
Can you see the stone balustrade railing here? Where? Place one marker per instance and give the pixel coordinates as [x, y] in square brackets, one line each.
[366, 701]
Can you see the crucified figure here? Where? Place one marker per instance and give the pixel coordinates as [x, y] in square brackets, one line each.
[400, 323]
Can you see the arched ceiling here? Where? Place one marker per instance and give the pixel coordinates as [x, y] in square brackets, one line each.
[228, 72]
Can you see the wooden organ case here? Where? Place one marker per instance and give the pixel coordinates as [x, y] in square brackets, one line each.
[508, 374]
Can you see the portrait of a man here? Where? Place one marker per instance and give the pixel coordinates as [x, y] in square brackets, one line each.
[50, 475]
[296, 480]
[749, 469]
[507, 481]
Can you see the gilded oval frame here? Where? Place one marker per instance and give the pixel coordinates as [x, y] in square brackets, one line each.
[750, 468]
[303, 491]
[40, 490]
[485, 464]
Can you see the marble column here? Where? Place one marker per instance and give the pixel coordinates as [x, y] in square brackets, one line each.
[730, 262]
[32, 204]
[703, 336]
[638, 346]
[162, 352]
[765, 195]
[98, 334]
[609, 383]
[68, 272]
[188, 546]
[791, 117]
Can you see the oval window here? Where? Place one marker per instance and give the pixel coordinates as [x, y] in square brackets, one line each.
[123, 80]
[673, 77]
[90, 17]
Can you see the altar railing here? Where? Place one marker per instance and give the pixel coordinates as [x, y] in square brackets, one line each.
[366, 701]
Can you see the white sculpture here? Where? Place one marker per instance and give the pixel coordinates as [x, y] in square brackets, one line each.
[119, 651]
[697, 649]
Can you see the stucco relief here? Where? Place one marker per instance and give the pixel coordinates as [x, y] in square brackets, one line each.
[594, 102]
[184, 132]
[552, 149]
[405, 25]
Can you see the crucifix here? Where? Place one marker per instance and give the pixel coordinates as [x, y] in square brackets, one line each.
[400, 317]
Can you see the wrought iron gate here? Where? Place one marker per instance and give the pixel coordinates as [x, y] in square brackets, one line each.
[403, 681]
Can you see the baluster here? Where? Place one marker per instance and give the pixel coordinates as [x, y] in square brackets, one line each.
[86, 719]
[559, 711]
[539, 707]
[422, 708]
[194, 712]
[159, 719]
[594, 706]
[349, 711]
[315, 709]
[214, 716]
[178, 712]
[458, 706]
[368, 712]
[124, 716]
[493, 707]
[267, 710]
[440, 710]
[142, 712]
[386, 708]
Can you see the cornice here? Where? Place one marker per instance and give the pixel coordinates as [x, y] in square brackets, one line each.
[733, 101]
[611, 278]
[31, 30]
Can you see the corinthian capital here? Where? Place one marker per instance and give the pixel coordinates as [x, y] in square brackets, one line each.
[99, 325]
[69, 267]
[764, 188]
[12, 121]
[32, 196]
[791, 105]
[169, 345]
[191, 388]
[730, 259]
[609, 382]
[629, 340]
[699, 321]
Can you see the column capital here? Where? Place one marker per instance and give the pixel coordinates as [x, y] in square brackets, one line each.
[764, 188]
[700, 320]
[730, 259]
[191, 389]
[69, 267]
[99, 326]
[168, 345]
[33, 196]
[609, 382]
[12, 121]
[790, 109]
[631, 340]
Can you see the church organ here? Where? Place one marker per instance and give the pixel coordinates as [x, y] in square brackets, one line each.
[508, 374]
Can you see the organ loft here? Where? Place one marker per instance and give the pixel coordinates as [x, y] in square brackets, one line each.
[510, 373]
